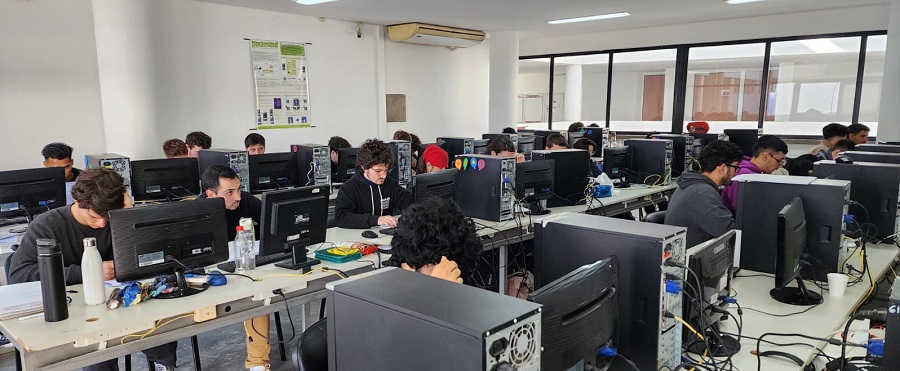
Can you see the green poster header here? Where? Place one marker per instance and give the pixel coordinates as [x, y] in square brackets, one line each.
[293, 49]
[263, 44]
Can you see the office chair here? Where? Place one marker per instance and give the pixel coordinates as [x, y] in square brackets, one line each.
[658, 217]
[311, 351]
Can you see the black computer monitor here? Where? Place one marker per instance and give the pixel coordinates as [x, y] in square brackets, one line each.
[711, 262]
[292, 219]
[346, 166]
[437, 184]
[29, 192]
[159, 239]
[616, 163]
[534, 182]
[791, 241]
[574, 136]
[480, 146]
[525, 145]
[579, 315]
[744, 138]
[273, 171]
[165, 179]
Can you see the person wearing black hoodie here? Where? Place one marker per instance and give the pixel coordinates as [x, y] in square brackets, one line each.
[696, 203]
[370, 198]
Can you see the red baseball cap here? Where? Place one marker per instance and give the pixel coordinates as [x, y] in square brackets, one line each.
[436, 156]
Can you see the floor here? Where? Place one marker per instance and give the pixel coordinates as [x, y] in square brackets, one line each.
[220, 350]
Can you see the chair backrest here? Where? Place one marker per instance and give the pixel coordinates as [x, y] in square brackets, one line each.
[311, 352]
[658, 217]
[6, 267]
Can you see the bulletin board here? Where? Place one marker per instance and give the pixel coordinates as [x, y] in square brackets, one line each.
[280, 76]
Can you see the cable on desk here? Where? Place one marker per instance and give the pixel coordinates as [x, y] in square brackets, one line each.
[156, 327]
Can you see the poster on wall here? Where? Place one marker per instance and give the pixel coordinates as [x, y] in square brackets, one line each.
[282, 88]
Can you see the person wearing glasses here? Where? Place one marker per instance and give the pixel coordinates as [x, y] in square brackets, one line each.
[370, 198]
[769, 153]
[696, 204]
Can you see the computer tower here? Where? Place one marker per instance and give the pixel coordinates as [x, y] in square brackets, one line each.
[402, 169]
[314, 163]
[872, 147]
[485, 188]
[651, 161]
[600, 136]
[646, 336]
[411, 321]
[570, 178]
[744, 138]
[892, 332]
[115, 162]
[875, 186]
[761, 197]
[526, 144]
[701, 140]
[235, 159]
[456, 146]
[880, 157]
[513, 137]
[683, 151]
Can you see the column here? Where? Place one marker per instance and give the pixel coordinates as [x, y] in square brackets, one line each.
[574, 91]
[504, 72]
[888, 126]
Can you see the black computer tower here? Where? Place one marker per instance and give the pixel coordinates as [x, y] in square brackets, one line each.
[314, 163]
[761, 197]
[892, 332]
[402, 169]
[570, 178]
[456, 146]
[872, 147]
[235, 159]
[651, 161]
[526, 144]
[701, 140]
[396, 320]
[646, 337]
[744, 138]
[485, 189]
[682, 151]
[880, 157]
[599, 136]
[875, 186]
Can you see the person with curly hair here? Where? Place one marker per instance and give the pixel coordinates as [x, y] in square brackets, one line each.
[370, 198]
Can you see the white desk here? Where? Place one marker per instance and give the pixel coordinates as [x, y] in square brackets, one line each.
[821, 321]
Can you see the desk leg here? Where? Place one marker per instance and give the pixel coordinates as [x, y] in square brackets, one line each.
[504, 250]
[18, 360]
[281, 349]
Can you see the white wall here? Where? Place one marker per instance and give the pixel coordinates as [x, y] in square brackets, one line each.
[49, 89]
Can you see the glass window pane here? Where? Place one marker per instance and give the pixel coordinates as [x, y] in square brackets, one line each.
[870, 103]
[723, 86]
[533, 93]
[580, 87]
[642, 87]
[811, 84]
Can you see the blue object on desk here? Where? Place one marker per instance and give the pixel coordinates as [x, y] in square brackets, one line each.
[216, 278]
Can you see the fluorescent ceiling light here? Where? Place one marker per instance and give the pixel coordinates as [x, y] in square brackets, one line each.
[312, 2]
[733, 2]
[822, 46]
[590, 18]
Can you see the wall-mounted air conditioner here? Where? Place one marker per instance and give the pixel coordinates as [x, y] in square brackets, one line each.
[428, 34]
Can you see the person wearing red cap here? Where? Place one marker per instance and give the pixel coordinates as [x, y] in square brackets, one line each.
[433, 159]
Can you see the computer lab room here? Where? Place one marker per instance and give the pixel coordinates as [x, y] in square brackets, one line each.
[312, 185]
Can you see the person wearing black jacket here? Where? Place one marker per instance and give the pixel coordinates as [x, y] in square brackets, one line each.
[370, 198]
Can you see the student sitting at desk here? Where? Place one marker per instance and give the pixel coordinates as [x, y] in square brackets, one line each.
[369, 198]
[831, 133]
[433, 159]
[556, 141]
[175, 148]
[59, 154]
[335, 144]
[222, 181]
[503, 146]
[255, 144]
[96, 192]
[858, 133]
[769, 153]
[589, 145]
[842, 145]
[696, 204]
[195, 141]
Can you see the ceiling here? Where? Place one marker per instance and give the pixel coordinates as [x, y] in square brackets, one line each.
[529, 17]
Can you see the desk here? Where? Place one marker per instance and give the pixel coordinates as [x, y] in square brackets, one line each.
[78, 341]
[821, 321]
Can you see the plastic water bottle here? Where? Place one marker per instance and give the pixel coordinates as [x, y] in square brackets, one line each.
[244, 258]
[92, 273]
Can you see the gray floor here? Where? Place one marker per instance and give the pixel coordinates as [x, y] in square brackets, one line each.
[221, 350]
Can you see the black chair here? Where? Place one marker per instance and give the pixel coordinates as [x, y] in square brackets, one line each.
[658, 217]
[311, 351]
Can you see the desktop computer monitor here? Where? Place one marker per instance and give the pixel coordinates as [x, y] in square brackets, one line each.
[167, 179]
[30, 192]
[437, 184]
[872, 147]
[711, 263]
[616, 164]
[570, 176]
[525, 145]
[880, 157]
[346, 166]
[744, 138]
[270, 171]
[292, 219]
[579, 315]
[791, 241]
[534, 182]
[575, 136]
[159, 239]
[480, 146]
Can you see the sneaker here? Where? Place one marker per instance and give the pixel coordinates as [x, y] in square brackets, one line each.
[259, 368]
[160, 367]
[3, 340]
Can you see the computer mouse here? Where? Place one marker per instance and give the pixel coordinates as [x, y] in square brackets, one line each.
[843, 159]
[369, 234]
[216, 278]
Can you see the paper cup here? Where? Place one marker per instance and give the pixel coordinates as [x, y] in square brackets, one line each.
[837, 283]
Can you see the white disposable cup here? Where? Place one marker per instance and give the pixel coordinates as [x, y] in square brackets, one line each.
[837, 284]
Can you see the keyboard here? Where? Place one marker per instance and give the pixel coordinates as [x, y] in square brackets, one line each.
[260, 261]
[13, 221]
[388, 231]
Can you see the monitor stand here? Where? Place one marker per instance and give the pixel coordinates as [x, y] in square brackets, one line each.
[298, 261]
[622, 183]
[796, 295]
[535, 208]
[182, 289]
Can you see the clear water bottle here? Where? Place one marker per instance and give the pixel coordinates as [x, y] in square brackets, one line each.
[244, 258]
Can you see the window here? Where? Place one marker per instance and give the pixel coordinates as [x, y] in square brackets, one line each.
[642, 87]
[580, 88]
[723, 86]
[533, 93]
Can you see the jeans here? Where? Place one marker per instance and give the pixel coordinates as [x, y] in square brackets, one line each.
[163, 354]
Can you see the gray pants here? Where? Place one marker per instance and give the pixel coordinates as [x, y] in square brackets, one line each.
[163, 354]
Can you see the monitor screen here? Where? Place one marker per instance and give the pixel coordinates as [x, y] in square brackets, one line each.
[579, 315]
[437, 184]
[617, 161]
[346, 166]
[158, 239]
[273, 171]
[30, 192]
[744, 138]
[790, 243]
[292, 219]
[534, 181]
[165, 179]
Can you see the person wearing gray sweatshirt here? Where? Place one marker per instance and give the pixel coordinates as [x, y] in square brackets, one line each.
[696, 203]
